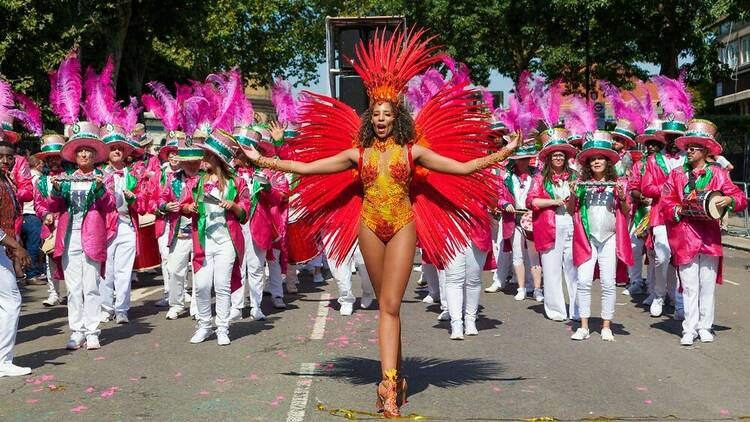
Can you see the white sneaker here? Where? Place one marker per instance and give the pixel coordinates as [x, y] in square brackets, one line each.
[521, 295]
[122, 318]
[470, 327]
[346, 309]
[557, 317]
[278, 303]
[457, 330]
[538, 295]
[494, 287]
[174, 313]
[626, 292]
[201, 335]
[679, 315]
[222, 337]
[657, 307]
[706, 336]
[687, 339]
[444, 316]
[187, 297]
[428, 299]
[92, 342]
[291, 288]
[75, 342]
[365, 302]
[581, 334]
[10, 370]
[235, 314]
[106, 317]
[52, 300]
[257, 315]
[318, 278]
[607, 335]
[163, 302]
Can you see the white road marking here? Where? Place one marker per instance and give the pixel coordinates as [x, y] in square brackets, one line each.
[319, 328]
[139, 294]
[301, 393]
[732, 282]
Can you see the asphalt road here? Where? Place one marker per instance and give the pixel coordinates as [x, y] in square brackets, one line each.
[308, 357]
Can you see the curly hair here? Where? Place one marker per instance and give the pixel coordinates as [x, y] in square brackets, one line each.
[403, 127]
[610, 174]
[547, 170]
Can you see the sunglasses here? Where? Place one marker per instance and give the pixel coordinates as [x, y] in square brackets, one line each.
[695, 149]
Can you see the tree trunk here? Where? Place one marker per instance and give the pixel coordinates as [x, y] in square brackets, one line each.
[136, 51]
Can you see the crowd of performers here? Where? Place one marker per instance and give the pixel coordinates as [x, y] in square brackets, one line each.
[560, 205]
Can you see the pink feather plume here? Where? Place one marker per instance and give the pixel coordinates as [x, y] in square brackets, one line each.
[6, 96]
[580, 118]
[459, 71]
[66, 89]
[128, 116]
[163, 105]
[621, 109]
[284, 102]
[674, 95]
[244, 114]
[99, 106]
[423, 87]
[230, 91]
[644, 107]
[29, 114]
[547, 100]
[195, 111]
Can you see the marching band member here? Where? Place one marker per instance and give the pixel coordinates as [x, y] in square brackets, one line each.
[600, 232]
[696, 242]
[553, 224]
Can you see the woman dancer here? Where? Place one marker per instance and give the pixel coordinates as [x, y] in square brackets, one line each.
[376, 193]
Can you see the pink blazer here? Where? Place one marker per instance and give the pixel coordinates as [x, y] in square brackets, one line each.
[167, 195]
[543, 219]
[689, 237]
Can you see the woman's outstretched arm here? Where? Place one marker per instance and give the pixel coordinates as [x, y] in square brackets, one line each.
[433, 161]
[342, 161]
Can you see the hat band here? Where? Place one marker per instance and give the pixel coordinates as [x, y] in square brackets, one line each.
[7, 126]
[290, 133]
[51, 148]
[219, 147]
[699, 134]
[651, 131]
[190, 152]
[114, 137]
[87, 135]
[673, 126]
[555, 142]
[247, 141]
[626, 133]
[598, 144]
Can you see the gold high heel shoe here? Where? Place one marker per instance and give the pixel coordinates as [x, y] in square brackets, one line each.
[388, 400]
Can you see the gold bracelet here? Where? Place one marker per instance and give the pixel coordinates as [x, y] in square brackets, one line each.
[488, 160]
[266, 162]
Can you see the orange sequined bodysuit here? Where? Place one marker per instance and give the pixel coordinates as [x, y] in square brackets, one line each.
[385, 170]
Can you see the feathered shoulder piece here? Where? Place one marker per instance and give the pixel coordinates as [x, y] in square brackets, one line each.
[674, 96]
[99, 106]
[387, 64]
[66, 88]
[284, 102]
[580, 118]
[163, 105]
[621, 109]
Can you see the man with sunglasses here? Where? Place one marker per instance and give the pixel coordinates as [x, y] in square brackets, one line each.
[696, 242]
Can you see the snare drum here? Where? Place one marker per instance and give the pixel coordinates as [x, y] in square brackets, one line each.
[702, 205]
[147, 257]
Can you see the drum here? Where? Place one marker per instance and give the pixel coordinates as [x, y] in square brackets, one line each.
[147, 257]
[702, 205]
[302, 246]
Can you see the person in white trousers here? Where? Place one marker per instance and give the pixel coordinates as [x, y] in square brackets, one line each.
[343, 275]
[172, 164]
[10, 297]
[604, 209]
[553, 224]
[463, 285]
[121, 248]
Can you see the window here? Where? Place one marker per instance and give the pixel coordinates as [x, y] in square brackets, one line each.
[745, 50]
[732, 54]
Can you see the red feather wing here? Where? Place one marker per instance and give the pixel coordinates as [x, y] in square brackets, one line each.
[327, 204]
[448, 208]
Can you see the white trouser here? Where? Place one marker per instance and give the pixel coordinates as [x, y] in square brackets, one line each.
[524, 254]
[556, 262]
[502, 258]
[163, 242]
[275, 279]
[316, 262]
[177, 268]
[635, 271]
[698, 280]
[665, 276]
[463, 283]
[10, 307]
[53, 285]
[217, 272]
[115, 289]
[255, 262]
[430, 275]
[343, 275]
[82, 283]
[605, 254]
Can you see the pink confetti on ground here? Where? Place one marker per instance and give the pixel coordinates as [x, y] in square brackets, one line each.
[372, 340]
[156, 345]
[569, 328]
[89, 390]
[108, 393]
[724, 412]
[274, 403]
[247, 356]
[253, 377]
[281, 354]
[639, 388]
[51, 386]
[178, 375]
[36, 390]
[648, 401]
[203, 393]
[221, 381]
[496, 389]
[279, 397]
[134, 379]
[31, 401]
[79, 409]
[47, 377]
[300, 339]
[100, 358]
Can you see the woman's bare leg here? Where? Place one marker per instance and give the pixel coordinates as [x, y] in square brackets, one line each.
[394, 271]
